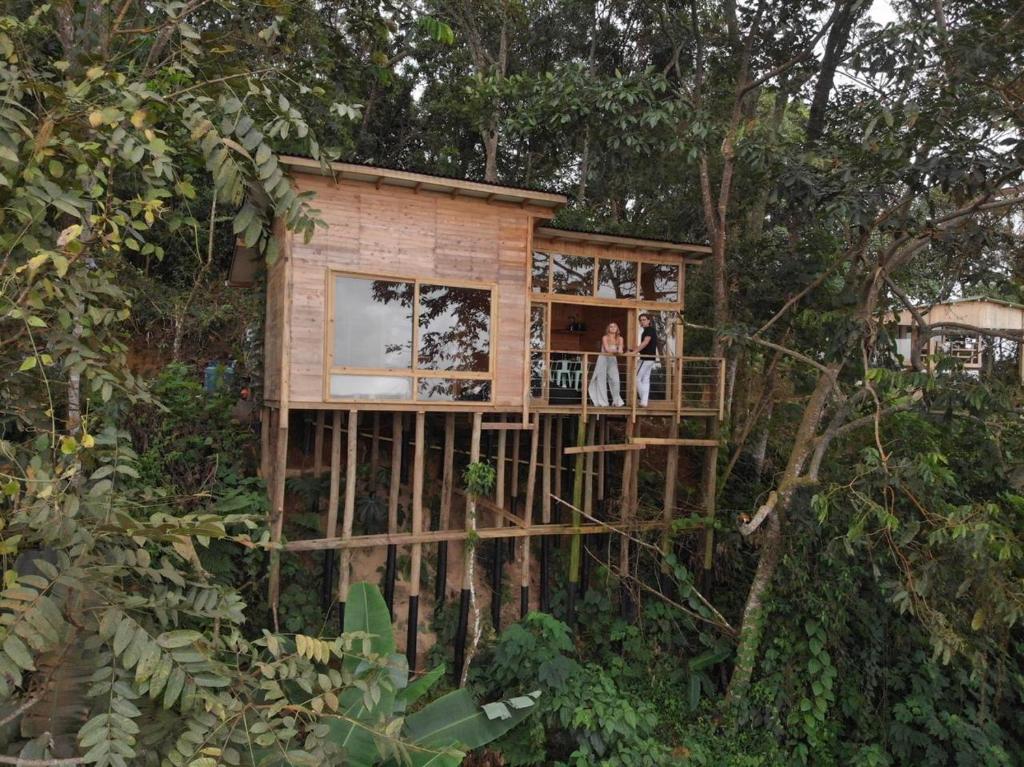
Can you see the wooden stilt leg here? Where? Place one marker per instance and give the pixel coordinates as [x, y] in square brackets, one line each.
[588, 503]
[577, 502]
[514, 492]
[393, 492]
[349, 512]
[375, 452]
[531, 483]
[545, 506]
[499, 543]
[710, 484]
[468, 556]
[446, 508]
[558, 464]
[331, 523]
[417, 548]
[626, 514]
[670, 487]
[266, 446]
[280, 434]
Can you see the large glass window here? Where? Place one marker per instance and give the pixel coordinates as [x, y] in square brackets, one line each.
[372, 323]
[455, 389]
[454, 328]
[541, 267]
[659, 282]
[370, 387]
[373, 333]
[573, 275]
[616, 279]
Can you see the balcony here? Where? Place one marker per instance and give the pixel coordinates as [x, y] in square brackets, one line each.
[565, 382]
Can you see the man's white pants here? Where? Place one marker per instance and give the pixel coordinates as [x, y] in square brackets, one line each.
[643, 380]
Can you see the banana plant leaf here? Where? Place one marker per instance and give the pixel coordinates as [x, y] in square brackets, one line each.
[366, 612]
[456, 720]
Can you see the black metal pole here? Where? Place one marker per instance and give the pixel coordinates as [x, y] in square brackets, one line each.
[496, 571]
[545, 556]
[389, 579]
[441, 582]
[524, 601]
[411, 635]
[460, 636]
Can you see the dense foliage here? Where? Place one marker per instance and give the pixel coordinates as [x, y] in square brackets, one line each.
[864, 601]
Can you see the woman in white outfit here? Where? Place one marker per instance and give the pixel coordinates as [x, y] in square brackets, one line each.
[606, 370]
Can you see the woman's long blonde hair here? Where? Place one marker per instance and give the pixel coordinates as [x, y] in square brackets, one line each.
[608, 329]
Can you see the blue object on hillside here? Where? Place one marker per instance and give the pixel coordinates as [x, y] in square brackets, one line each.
[218, 374]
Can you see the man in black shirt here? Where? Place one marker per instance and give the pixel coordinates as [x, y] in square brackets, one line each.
[648, 349]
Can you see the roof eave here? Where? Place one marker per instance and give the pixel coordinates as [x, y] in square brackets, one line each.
[422, 182]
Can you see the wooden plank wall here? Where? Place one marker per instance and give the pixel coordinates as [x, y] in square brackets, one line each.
[399, 232]
[275, 325]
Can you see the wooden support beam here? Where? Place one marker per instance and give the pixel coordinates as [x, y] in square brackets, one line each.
[266, 453]
[531, 482]
[318, 444]
[626, 518]
[493, 508]
[447, 471]
[280, 433]
[415, 560]
[670, 485]
[587, 449]
[588, 500]
[375, 452]
[505, 426]
[575, 549]
[545, 515]
[482, 533]
[497, 555]
[351, 458]
[674, 441]
[460, 664]
[391, 564]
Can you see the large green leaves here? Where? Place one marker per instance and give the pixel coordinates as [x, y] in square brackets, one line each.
[456, 720]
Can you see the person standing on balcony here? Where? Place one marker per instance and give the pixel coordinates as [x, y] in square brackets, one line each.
[648, 350]
[606, 369]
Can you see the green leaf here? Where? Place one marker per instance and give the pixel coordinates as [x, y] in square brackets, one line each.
[18, 653]
[366, 612]
[27, 364]
[456, 720]
[181, 638]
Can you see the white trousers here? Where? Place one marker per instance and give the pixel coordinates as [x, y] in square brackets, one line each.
[605, 377]
[643, 380]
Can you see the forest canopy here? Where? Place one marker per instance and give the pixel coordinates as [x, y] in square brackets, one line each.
[850, 591]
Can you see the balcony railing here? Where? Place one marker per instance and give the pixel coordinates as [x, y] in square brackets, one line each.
[684, 385]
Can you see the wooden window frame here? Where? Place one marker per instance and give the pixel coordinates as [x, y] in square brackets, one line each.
[549, 295]
[414, 372]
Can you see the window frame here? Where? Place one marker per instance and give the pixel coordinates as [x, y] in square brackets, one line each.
[547, 293]
[414, 372]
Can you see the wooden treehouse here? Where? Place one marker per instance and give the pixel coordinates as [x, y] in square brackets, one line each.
[437, 323]
[975, 332]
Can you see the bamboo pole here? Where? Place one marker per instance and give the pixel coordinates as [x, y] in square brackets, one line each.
[375, 452]
[558, 462]
[588, 502]
[577, 502]
[670, 485]
[625, 518]
[531, 482]
[499, 544]
[349, 512]
[318, 445]
[277, 507]
[481, 533]
[545, 516]
[441, 585]
[331, 522]
[394, 491]
[516, 453]
[461, 661]
[417, 548]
